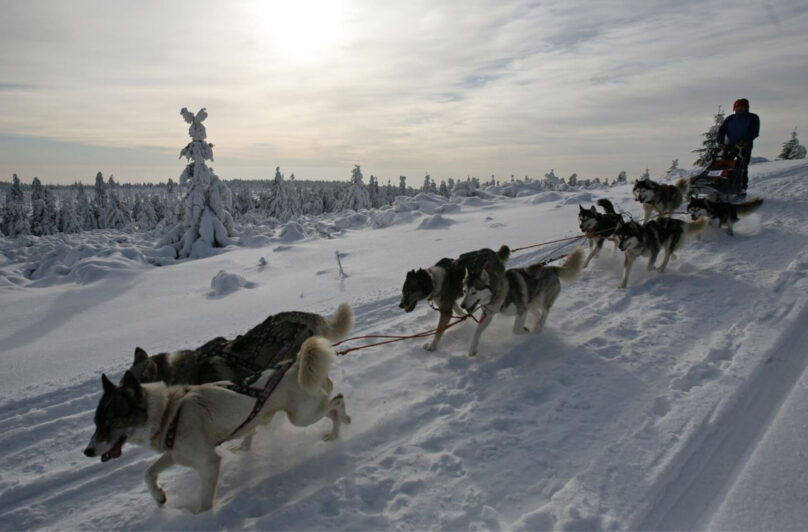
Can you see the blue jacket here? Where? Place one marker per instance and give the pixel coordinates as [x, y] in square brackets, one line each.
[739, 127]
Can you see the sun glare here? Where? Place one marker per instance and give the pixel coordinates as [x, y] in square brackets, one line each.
[302, 30]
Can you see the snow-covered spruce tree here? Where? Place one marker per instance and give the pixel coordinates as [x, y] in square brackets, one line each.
[357, 196]
[15, 218]
[709, 150]
[68, 220]
[84, 210]
[116, 215]
[792, 149]
[206, 222]
[43, 210]
[99, 203]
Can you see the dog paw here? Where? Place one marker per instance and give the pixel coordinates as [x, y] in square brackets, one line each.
[429, 346]
[346, 419]
[331, 436]
[472, 353]
[160, 497]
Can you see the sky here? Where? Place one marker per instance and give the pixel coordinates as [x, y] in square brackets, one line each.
[449, 89]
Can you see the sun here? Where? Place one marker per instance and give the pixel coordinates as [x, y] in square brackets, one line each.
[302, 30]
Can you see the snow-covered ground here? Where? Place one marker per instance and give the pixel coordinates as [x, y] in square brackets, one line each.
[677, 403]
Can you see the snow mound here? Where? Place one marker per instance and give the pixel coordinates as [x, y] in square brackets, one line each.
[292, 232]
[436, 222]
[225, 283]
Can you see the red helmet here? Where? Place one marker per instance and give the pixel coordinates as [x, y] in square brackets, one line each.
[741, 103]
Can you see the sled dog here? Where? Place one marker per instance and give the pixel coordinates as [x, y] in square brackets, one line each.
[442, 284]
[722, 214]
[598, 227]
[649, 239]
[184, 424]
[531, 289]
[659, 197]
[277, 339]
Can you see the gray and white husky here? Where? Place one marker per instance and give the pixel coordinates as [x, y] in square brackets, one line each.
[186, 423]
[442, 283]
[649, 239]
[659, 197]
[532, 289]
[276, 339]
[721, 213]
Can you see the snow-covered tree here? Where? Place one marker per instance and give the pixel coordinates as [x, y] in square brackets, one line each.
[645, 175]
[206, 222]
[84, 210]
[792, 149]
[116, 215]
[710, 150]
[68, 220]
[43, 210]
[15, 217]
[402, 185]
[100, 200]
[551, 181]
[357, 196]
[622, 178]
[674, 166]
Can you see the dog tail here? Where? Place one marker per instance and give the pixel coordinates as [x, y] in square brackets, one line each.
[694, 228]
[504, 253]
[572, 266]
[748, 207]
[339, 326]
[315, 357]
[683, 185]
[607, 206]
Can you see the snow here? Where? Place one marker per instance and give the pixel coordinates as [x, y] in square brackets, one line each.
[674, 404]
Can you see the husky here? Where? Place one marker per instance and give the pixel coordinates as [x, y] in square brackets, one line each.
[659, 197]
[277, 339]
[531, 289]
[442, 284]
[184, 424]
[598, 227]
[722, 214]
[660, 234]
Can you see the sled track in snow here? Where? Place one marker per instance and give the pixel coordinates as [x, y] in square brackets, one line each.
[689, 500]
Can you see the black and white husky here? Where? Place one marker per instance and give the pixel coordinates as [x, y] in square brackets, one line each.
[186, 423]
[275, 339]
[598, 227]
[649, 239]
[721, 213]
[532, 289]
[659, 197]
[442, 284]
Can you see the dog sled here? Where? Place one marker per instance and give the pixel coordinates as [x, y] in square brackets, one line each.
[722, 180]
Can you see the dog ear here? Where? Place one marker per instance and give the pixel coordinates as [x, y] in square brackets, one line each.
[484, 277]
[107, 384]
[131, 386]
[140, 355]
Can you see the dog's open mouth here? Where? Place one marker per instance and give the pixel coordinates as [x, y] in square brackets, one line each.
[116, 450]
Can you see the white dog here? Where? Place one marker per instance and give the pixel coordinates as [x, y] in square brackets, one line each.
[186, 423]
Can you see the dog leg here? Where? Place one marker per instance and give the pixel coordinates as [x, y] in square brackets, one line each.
[246, 442]
[629, 260]
[337, 414]
[594, 246]
[647, 212]
[443, 321]
[652, 262]
[477, 332]
[665, 260]
[165, 461]
[519, 323]
[208, 469]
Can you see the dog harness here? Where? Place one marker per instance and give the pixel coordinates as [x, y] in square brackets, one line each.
[262, 394]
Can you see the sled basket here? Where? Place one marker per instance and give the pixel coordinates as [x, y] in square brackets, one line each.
[720, 181]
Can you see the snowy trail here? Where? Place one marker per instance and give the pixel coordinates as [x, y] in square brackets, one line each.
[642, 408]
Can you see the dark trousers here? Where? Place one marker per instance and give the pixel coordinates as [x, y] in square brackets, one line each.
[745, 152]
